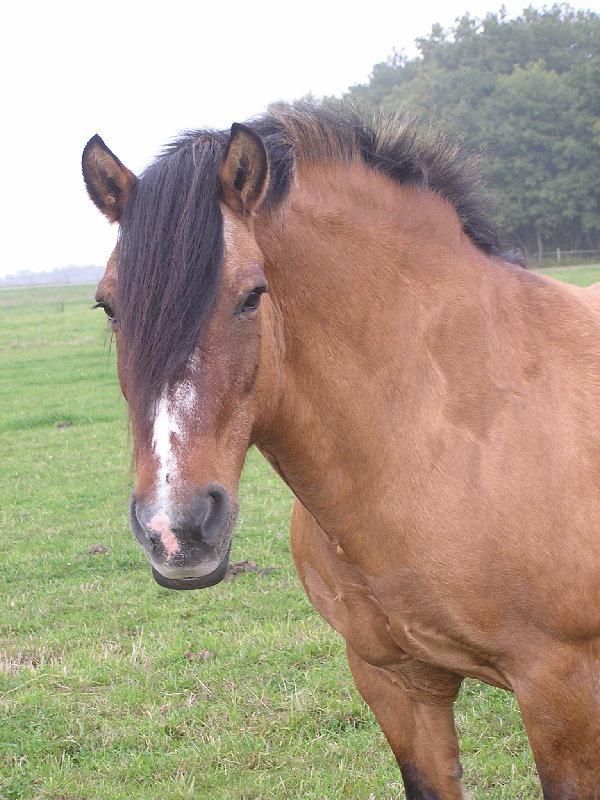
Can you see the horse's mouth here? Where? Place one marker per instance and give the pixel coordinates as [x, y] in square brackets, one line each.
[193, 581]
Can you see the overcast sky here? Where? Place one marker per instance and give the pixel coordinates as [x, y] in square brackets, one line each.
[137, 73]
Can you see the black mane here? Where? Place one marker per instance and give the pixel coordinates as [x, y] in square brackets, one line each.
[171, 243]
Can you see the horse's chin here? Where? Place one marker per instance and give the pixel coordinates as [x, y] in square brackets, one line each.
[194, 582]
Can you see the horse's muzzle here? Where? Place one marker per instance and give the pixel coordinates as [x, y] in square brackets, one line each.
[188, 545]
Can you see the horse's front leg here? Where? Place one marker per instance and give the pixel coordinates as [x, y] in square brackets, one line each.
[411, 700]
[421, 734]
[559, 697]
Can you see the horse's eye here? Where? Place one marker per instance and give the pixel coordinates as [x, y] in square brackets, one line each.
[252, 301]
[110, 314]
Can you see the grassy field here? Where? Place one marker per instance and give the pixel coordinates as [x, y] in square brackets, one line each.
[112, 688]
[580, 276]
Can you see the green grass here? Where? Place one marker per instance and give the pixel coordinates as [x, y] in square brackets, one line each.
[100, 698]
[580, 276]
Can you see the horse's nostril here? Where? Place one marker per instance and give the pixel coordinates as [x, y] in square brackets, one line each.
[153, 536]
[209, 509]
[205, 518]
[216, 516]
[141, 531]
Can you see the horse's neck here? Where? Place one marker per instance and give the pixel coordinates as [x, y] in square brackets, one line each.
[381, 299]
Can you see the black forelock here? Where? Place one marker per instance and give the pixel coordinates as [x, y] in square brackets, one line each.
[169, 262]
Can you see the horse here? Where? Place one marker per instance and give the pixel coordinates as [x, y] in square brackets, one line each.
[331, 289]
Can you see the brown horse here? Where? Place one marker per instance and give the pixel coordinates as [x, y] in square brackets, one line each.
[335, 294]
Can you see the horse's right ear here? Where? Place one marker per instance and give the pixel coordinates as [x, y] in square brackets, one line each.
[244, 171]
[108, 182]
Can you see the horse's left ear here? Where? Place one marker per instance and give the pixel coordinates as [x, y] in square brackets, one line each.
[244, 171]
[109, 183]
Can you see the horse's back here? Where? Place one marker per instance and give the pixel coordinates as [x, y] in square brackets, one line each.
[589, 294]
[594, 289]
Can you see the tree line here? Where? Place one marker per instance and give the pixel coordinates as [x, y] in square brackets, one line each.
[527, 92]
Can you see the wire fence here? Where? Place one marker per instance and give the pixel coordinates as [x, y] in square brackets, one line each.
[568, 258]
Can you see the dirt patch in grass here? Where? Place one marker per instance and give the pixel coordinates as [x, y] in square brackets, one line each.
[241, 567]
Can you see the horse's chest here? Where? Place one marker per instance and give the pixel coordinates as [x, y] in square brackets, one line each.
[341, 593]
[390, 631]
[345, 601]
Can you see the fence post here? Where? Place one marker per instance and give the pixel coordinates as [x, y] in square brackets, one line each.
[558, 255]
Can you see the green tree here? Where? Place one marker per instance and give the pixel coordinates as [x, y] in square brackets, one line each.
[528, 119]
[527, 91]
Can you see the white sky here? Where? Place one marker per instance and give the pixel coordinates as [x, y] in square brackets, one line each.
[139, 72]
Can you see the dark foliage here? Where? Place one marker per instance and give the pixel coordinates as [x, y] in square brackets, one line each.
[526, 90]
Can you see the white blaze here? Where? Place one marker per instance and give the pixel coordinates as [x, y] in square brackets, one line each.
[171, 413]
[165, 426]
